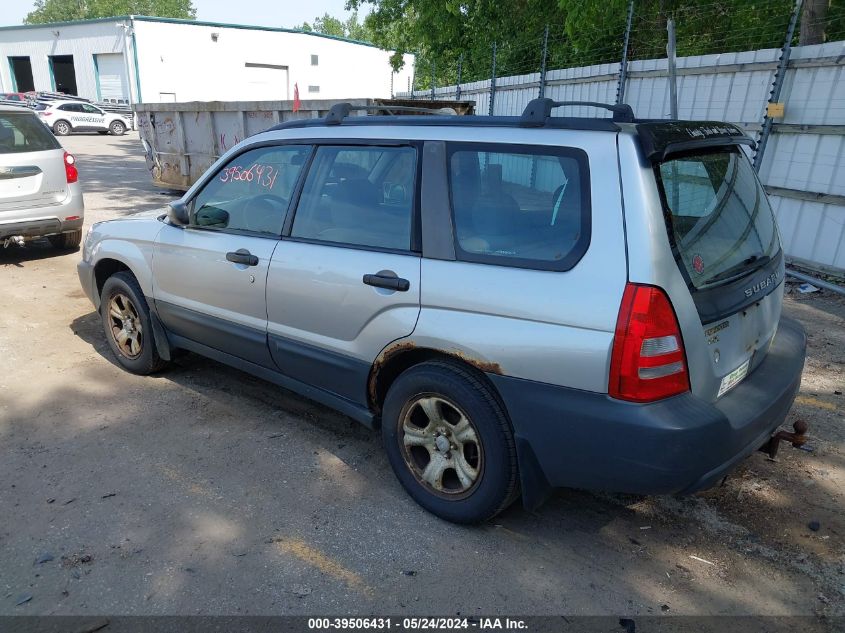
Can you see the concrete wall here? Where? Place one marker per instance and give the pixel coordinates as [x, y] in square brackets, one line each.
[804, 164]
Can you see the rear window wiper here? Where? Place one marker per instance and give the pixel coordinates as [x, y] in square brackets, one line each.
[746, 266]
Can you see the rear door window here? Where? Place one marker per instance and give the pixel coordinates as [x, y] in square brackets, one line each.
[719, 219]
[359, 196]
[23, 132]
[522, 206]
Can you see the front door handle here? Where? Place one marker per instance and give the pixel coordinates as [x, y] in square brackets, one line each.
[391, 282]
[242, 256]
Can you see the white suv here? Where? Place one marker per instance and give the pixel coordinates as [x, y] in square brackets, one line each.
[64, 117]
[40, 195]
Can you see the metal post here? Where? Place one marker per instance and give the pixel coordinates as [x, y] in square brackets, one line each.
[673, 71]
[460, 71]
[433, 75]
[414, 79]
[543, 63]
[391, 82]
[493, 82]
[623, 66]
[777, 85]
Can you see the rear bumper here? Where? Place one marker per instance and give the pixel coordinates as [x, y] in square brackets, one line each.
[48, 220]
[578, 439]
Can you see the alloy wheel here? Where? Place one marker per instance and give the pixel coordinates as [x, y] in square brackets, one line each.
[441, 446]
[125, 326]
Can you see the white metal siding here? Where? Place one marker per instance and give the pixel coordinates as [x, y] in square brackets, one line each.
[83, 41]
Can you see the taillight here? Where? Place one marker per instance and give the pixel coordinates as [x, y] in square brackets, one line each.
[647, 362]
[70, 168]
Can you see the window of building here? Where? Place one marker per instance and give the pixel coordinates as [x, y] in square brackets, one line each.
[313, 88]
[315, 60]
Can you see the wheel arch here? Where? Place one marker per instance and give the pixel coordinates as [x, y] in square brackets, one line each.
[105, 268]
[403, 354]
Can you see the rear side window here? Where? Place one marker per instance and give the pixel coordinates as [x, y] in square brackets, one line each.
[359, 196]
[719, 219]
[523, 206]
[23, 132]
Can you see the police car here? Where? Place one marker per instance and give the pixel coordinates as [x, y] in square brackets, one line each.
[64, 117]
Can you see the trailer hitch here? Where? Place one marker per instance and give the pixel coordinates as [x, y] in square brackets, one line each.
[797, 438]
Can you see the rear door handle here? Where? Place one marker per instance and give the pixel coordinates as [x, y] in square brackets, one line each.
[381, 280]
[242, 256]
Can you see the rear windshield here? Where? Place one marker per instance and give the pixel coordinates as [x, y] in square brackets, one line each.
[719, 219]
[23, 132]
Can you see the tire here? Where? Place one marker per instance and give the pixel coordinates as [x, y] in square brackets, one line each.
[452, 394]
[61, 128]
[117, 128]
[123, 289]
[66, 241]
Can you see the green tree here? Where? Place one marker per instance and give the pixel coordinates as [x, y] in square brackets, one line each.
[581, 32]
[330, 25]
[65, 10]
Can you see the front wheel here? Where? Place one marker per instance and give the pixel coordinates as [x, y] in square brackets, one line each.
[127, 324]
[61, 128]
[450, 443]
[117, 128]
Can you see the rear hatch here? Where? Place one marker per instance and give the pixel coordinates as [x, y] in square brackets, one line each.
[726, 244]
[32, 168]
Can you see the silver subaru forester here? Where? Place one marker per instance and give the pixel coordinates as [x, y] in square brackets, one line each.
[519, 303]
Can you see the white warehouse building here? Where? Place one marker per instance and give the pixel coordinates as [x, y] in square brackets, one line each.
[135, 59]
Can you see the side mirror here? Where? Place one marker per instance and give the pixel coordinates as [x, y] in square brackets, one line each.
[178, 213]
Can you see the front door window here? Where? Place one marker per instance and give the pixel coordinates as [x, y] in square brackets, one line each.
[251, 193]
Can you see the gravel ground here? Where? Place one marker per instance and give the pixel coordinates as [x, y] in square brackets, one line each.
[203, 490]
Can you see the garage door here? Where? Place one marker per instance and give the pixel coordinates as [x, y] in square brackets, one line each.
[264, 82]
[111, 72]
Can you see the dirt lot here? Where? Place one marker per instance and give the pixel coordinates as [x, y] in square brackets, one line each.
[203, 490]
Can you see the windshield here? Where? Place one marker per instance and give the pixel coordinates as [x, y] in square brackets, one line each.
[24, 132]
[719, 218]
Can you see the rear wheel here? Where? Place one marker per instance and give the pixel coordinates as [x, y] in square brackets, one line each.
[449, 442]
[127, 324]
[117, 128]
[66, 241]
[61, 128]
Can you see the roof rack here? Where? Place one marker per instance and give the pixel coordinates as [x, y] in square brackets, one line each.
[538, 111]
[340, 111]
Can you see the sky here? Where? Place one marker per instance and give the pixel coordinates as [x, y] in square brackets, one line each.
[260, 12]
